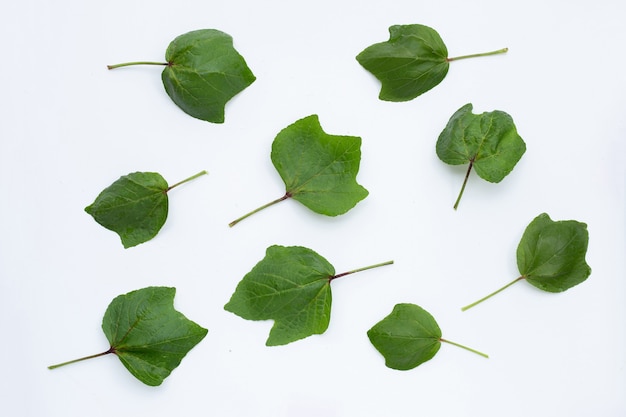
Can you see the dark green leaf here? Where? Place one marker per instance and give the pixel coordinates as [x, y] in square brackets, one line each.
[291, 286]
[147, 334]
[488, 142]
[319, 170]
[202, 73]
[408, 337]
[551, 255]
[135, 206]
[411, 62]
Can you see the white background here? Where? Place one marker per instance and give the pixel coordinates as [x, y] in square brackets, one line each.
[69, 128]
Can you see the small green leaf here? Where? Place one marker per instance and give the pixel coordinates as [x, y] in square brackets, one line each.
[319, 170]
[551, 255]
[408, 337]
[135, 206]
[291, 286]
[488, 142]
[411, 62]
[147, 334]
[202, 73]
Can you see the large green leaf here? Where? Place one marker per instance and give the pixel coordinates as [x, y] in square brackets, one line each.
[319, 170]
[135, 206]
[147, 334]
[408, 337]
[551, 255]
[489, 142]
[291, 286]
[411, 62]
[203, 71]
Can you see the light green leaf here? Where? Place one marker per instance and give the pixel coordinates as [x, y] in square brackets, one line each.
[551, 255]
[147, 334]
[411, 62]
[319, 170]
[202, 73]
[135, 206]
[489, 142]
[291, 286]
[408, 337]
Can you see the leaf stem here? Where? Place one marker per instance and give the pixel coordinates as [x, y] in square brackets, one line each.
[484, 355]
[127, 64]
[193, 177]
[499, 51]
[360, 269]
[469, 169]
[111, 350]
[271, 203]
[492, 294]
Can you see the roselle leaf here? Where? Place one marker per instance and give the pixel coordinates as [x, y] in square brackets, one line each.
[291, 286]
[411, 62]
[551, 255]
[319, 170]
[147, 334]
[489, 142]
[203, 71]
[408, 337]
[135, 206]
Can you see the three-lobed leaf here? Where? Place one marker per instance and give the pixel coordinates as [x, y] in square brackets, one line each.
[551, 255]
[290, 285]
[488, 142]
[319, 170]
[147, 334]
[408, 337]
[135, 206]
[413, 61]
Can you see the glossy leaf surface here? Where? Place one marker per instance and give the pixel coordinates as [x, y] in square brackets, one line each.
[551, 255]
[291, 286]
[147, 334]
[488, 142]
[319, 170]
[408, 337]
[135, 206]
[413, 61]
[204, 72]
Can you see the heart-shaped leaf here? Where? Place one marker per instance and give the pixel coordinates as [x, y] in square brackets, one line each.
[291, 286]
[408, 337]
[551, 255]
[203, 71]
[135, 206]
[411, 62]
[147, 334]
[488, 142]
[319, 170]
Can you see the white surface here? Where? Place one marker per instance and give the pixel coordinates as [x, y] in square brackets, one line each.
[70, 127]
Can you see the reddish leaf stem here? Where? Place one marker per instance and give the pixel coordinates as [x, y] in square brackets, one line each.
[359, 270]
[111, 350]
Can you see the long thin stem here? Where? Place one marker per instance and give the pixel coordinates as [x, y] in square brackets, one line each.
[484, 355]
[128, 64]
[193, 177]
[469, 169]
[360, 269]
[493, 293]
[271, 203]
[111, 350]
[499, 51]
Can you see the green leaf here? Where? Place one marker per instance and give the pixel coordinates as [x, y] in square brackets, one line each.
[135, 206]
[147, 334]
[408, 337]
[411, 62]
[488, 142]
[291, 286]
[202, 73]
[551, 255]
[319, 170]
